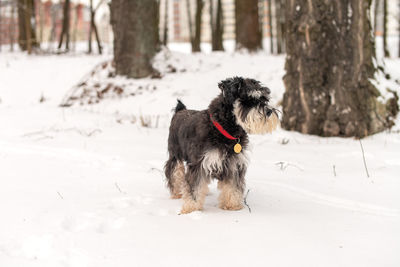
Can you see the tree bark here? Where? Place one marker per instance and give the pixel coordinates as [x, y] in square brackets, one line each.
[376, 12]
[328, 70]
[385, 21]
[217, 26]
[271, 32]
[27, 37]
[197, 34]
[248, 31]
[65, 26]
[135, 27]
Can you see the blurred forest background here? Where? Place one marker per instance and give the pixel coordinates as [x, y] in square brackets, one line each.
[330, 46]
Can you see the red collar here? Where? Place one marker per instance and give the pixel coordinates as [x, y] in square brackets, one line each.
[221, 129]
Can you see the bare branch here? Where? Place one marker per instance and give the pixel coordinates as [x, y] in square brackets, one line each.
[365, 163]
[245, 200]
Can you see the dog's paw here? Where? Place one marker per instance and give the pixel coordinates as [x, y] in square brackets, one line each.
[231, 206]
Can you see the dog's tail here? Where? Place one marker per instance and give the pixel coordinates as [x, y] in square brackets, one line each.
[180, 106]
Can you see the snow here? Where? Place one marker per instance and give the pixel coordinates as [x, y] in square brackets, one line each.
[83, 186]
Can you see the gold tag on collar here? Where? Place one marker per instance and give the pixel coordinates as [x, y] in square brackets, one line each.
[237, 148]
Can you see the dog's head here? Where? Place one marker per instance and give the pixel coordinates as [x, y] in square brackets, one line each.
[250, 104]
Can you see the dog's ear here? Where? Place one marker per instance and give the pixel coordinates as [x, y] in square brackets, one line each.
[230, 88]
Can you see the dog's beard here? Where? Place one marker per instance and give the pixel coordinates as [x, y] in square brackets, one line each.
[256, 121]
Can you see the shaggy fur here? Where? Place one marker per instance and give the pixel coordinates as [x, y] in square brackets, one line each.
[199, 152]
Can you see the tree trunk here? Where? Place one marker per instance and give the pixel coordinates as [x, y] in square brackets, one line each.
[271, 32]
[135, 37]
[65, 26]
[27, 37]
[165, 35]
[1, 33]
[190, 24]
[248, 30]
[385, 21]
[12, 27]
[399, 29]
[278, 26]
[329, 66]
[197, 34]
[93, 29]
[217, 26]
[90, 27]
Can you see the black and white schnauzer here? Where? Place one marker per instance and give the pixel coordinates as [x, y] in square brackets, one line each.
[212, 143]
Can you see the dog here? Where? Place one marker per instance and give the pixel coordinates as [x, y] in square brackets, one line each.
[212, 143]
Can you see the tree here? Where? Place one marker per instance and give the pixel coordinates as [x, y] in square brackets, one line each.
[329, 66]
[165, 35]
[136, 37]
[280, 25]
[271, 32]
[26, 21]
[197, 33]
[247, 30]
[65, 26]
[385, 21]
[399, 28]
[93, 28]
[217, 26]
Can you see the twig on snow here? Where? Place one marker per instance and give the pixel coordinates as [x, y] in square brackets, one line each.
[245, 200]
[119, 189]
[60, 195]
[365, 163]
[334, 170]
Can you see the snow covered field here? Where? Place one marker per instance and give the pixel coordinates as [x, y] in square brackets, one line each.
[83, 186]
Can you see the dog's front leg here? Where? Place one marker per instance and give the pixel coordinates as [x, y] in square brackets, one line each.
[194, 191]
[231, 196]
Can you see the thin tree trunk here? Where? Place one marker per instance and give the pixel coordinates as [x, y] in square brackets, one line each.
[190, 24]
[52, 36]
[29, 30]
[41, 21]
[12, 27]
[135, 37]
[278, 26]
[271, 32]
[385, 21]
[248, 31]
[212, 23]
[90, 28]
[165, 35]
[399, 29]
[328, 77]
[75, 28]
[1, 32]
[65, 26]
[197, 34]
[283, 26]
[217, 26]
[96, 34]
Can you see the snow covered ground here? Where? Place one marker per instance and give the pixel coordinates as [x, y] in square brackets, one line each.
[83, 186]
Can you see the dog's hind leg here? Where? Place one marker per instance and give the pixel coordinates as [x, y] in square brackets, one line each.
[175, 174]
[194, 191]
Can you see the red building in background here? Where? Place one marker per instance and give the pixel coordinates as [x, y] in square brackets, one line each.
[48, 21]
